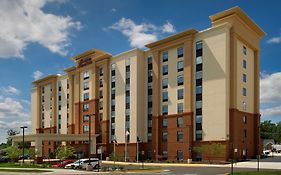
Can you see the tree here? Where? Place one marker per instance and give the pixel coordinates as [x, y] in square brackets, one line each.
[271, 130]
[13, 152]
[64, 152]
[32, 153]
[217, 149]
[11, 133]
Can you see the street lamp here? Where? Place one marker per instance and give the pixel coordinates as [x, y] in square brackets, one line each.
[89, 164]
[23, 127]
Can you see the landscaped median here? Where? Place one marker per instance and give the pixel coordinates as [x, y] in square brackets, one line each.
[159, 164]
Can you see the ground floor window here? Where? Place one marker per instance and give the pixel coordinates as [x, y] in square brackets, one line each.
[179, 155]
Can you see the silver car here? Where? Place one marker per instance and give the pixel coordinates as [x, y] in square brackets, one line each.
[82, 163]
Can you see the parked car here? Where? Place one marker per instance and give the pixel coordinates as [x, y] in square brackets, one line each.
[4, 159]
[62, 164]
[25, 156]
[82, 163]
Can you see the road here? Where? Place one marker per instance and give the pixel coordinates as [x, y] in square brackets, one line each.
[270, 163]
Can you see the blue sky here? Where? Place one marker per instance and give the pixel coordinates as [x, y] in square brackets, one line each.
[38, 38]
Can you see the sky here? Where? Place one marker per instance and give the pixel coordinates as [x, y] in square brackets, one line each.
[38, 37]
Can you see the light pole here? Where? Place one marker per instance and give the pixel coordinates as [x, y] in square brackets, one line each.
[258, 156]
[232, 157]
[23, 127]
[90, 121]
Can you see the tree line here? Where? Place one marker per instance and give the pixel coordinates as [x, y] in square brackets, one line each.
[271, 130]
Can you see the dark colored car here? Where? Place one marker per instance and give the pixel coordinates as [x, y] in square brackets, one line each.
[62, 164]
[25, 156]
[4, 159]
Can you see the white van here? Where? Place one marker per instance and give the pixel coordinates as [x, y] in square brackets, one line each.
[82, 163]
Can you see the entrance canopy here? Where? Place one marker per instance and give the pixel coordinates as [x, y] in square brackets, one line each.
[40, 137]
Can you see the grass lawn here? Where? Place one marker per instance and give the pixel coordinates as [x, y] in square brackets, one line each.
[18, 165]
[259, 173]
[24, 170]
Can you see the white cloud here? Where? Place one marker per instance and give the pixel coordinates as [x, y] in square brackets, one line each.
[271, 111]
[113, 10]
[270, 85]
[13, 114]
[24, 22]
[10, 90]
[37, 74]
[141, 34]
[274, 40]
[168, 28]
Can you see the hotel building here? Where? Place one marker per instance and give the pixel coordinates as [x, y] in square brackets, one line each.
[190, 89]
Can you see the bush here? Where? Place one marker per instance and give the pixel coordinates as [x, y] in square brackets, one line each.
[64, 152]
[13, 153]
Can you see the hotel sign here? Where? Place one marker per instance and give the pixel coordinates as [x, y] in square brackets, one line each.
[84, 62]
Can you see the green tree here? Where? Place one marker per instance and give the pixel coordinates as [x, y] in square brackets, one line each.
[13, 152]
[64, 152]
[10, 133]
[216, 149]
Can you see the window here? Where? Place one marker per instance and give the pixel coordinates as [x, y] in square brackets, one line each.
[199, 48]
[86, 85]
[180, 107]
[244, 105]
[198, 104]
[165, 155]
[165, 70]
[86, 96]
[43, 90]
[165, 83]
[245, 119]
[180, 80]
[198, 122]
[165, 122]
[198, 89]
[165, 109]
[180, 52]
[244, 91]
[199, 135]
[244, 50]
[180, 121]
[101, 71]
[85, 128]
[245, 133]
[85, 107]
[86, 118]
[244, 64]
[165, 56]
[86, 75]
[199, 60]
[180, 66]
[164, 136]
[149, 60]
[179, 136]
[179, 155]
[244, 78]
[101, 105]
[101, 94]
[180, 94]
[165, 96]
[149, 137]
[101, 83]
[199, 75]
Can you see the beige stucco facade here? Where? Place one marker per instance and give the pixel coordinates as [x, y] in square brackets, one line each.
[215, 87]
[223, 102]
